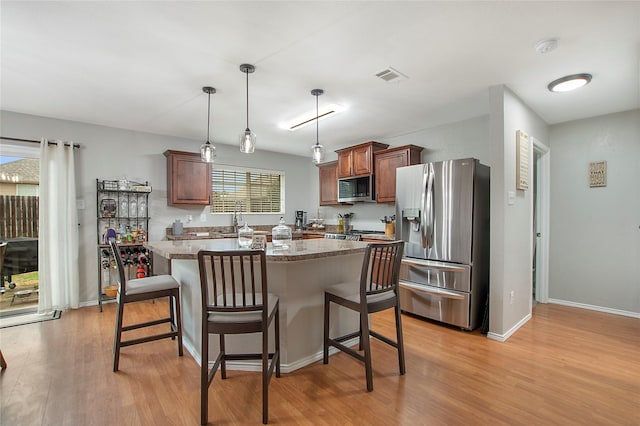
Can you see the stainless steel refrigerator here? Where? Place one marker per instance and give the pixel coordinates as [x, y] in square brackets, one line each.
[442, 212]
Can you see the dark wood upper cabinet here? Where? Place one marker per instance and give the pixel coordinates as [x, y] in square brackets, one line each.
[386, 163]
[357, 160]
[188, 179]
[328, 183]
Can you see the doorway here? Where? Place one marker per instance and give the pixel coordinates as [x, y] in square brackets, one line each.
[19, 199]
[540, 226]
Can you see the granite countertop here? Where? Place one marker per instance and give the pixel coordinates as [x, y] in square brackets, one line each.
[209, 235]
[299, 250]
[206, 233]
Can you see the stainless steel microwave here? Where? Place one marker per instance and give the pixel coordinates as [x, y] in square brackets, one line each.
[356, 189]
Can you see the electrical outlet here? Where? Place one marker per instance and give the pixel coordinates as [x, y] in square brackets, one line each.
[512, 297]
[203, 217]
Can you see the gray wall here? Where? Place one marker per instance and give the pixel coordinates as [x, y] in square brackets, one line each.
[595, 232]
[511, 225]
[463, 139]
[109, 153]
[611, 282]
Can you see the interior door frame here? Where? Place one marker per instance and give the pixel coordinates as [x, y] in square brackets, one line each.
[542, 162]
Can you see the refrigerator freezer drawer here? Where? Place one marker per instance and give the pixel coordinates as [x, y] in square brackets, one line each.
[447, 306]
[436, 274]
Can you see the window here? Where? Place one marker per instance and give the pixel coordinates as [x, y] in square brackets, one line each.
[247, 190]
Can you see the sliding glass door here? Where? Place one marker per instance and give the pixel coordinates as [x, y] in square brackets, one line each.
[19, 187]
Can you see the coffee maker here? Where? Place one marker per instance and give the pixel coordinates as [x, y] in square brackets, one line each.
[301, 220]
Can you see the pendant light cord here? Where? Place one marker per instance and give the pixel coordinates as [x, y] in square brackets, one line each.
[317, 137]
[208, 115]
[247, 74]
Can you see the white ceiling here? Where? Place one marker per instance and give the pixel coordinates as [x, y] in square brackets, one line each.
[142, 65]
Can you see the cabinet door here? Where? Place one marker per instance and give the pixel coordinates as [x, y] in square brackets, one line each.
[188, 179]
[362, 163]
[328, 183]
[386, 163]
[345, 164]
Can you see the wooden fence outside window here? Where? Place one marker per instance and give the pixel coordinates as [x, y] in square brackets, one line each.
[18, 216]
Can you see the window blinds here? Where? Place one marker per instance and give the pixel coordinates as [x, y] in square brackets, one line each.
[246, 190]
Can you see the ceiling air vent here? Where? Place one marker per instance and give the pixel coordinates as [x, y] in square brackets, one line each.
[391, 75]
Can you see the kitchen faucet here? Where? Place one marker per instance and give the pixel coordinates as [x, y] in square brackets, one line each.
[237, 211]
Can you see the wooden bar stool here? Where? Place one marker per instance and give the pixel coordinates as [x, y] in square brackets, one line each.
[139, 289]
[236, 300]
[377, 291]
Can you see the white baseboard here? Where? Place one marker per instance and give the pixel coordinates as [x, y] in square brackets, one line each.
[284, 368]
[95, 302]
[509, 333]
[596, 308]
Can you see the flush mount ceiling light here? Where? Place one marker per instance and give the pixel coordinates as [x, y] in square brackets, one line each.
[247, 138]
[569, 82]
[310, 117]
[207, 150]
[317, 149]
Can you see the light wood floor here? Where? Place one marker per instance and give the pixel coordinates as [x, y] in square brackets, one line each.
[565, 366]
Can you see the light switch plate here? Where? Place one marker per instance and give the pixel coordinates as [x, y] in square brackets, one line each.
[511, 198]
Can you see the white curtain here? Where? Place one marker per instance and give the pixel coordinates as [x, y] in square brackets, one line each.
[58, 229]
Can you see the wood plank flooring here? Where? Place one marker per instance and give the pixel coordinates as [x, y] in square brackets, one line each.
[566, 366]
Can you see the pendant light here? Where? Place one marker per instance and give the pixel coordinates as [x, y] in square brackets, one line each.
[207, 150]
[317, 149]
[247, 138]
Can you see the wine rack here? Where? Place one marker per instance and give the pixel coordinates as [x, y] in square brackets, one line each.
[123, 215]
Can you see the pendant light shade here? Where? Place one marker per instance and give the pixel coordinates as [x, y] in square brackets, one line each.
[247, 138]
[317, 150]
[207, 150]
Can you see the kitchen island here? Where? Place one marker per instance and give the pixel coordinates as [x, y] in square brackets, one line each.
[298, 276]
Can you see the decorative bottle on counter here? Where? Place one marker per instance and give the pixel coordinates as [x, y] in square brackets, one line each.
[245, 236]
[281, 235]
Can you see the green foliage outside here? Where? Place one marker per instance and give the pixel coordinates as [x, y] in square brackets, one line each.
[29, 279]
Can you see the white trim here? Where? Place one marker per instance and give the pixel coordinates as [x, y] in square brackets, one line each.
[285, 368]
[95, 303]
[543, 188]
[247, 169]
[503, 337]
[596, 308]
[20, 150]
[189, 347]
[18, 311]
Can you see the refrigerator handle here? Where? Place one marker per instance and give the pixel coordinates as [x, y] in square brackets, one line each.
[429, 209]
[423, 216]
